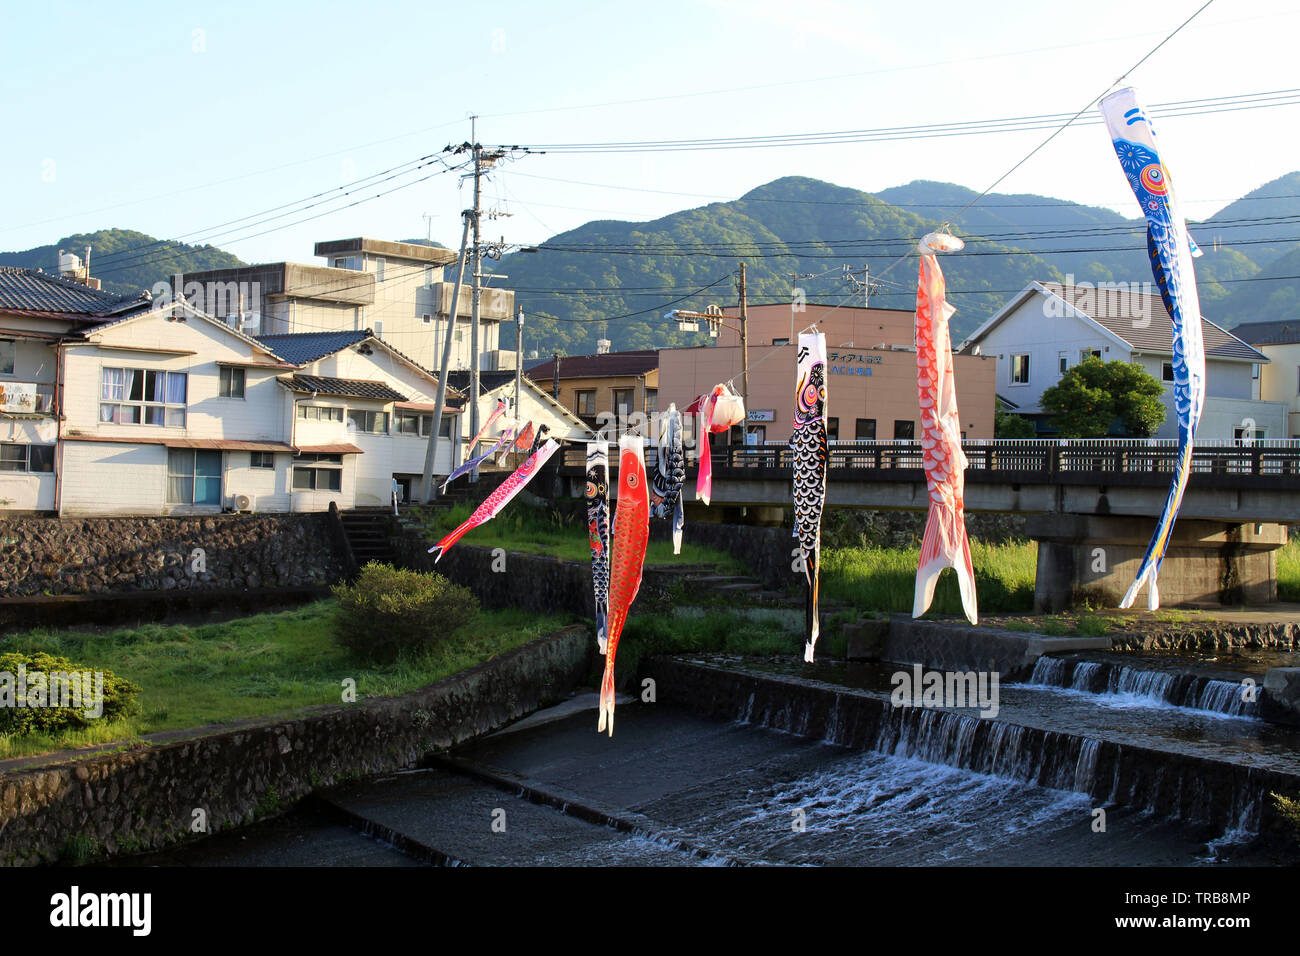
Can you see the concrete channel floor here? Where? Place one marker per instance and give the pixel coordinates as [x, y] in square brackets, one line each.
[673, 789]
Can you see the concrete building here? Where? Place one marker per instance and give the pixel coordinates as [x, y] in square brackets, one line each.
[610, 382]
[1279, 379]
[1048, 328]
[871, 380]
[398, 289]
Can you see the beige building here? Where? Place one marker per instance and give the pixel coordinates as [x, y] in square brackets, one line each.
[592, 386]
[1280, 378]
[397, 289]
[871, 373]
[115, 406]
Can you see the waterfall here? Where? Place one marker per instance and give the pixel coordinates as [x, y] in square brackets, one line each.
[1144, 684]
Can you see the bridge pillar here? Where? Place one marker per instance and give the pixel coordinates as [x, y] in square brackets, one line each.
[1093, 559]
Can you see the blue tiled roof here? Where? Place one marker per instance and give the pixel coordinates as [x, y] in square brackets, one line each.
[32, 291]
[299, 348]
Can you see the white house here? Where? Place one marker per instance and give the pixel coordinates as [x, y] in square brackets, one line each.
[135, 407]
[536, 406]
[1048, 328]
[1280, 379]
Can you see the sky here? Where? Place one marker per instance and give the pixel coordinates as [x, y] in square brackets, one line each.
[203, 121]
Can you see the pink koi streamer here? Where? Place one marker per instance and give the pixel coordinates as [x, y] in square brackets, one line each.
[496, 501]
[945, 544]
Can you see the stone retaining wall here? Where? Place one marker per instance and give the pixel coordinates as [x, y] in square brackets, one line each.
[114, 555]
[145, 798]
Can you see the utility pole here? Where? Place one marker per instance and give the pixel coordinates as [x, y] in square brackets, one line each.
[519, 358]
[431, 450]
[744, 355]
[476, 279]
[866, 286]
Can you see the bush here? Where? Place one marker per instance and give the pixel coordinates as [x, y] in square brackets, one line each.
[388, 610]
[35, 716]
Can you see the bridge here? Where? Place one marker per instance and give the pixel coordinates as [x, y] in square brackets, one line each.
[1092, 504]
[1230, 481]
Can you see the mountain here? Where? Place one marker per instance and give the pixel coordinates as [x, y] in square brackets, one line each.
[803, 226]
[615, 279]
[1274, 297]
[124, 260]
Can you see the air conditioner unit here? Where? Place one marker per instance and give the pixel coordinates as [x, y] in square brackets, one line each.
[244, 502]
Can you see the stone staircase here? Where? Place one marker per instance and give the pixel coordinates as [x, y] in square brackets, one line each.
[368, 531]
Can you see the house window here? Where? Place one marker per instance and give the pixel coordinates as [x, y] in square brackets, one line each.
[1254, 433]
[651, 401]
[1085, 354]
[780, 341]
[832, 429]
[232, 382]
[321, 413]
[1167, 372]
[312, 472]
[409, 423]
[865, 429]
[262, 459]
[1020, 369]
[587, 403]
[623, 401]
[376, 423]
[379, 269]
[193, 477]
[904, 430]
[8, 357]
[379, 329]
[348, 262]
[32, 458]
[1062, 362]
[138, 396]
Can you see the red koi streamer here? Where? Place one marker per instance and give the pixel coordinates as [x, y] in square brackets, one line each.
[631, 535]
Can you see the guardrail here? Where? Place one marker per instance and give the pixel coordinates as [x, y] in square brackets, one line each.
[1041, 460]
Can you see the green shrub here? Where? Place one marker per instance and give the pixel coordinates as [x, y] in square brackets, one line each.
[35, 715]
[388, 610]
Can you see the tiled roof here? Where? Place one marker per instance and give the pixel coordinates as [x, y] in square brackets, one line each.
[1143, 322]
[303, 347]
[597, 366]
[300, 348]
[1269, 333]
[32, 291]
[346, 387]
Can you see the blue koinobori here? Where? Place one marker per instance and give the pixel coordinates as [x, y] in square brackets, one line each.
[1171, 250]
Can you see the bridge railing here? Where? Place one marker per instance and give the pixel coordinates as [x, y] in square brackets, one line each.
[1040, 458]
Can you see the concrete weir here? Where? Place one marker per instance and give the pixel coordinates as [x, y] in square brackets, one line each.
[1218, 786]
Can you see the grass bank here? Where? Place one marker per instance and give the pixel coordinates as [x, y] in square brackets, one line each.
[884, 579]
[555, 534]
[259, 666]
[1288, 571]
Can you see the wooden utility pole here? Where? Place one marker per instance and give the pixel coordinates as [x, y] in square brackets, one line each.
[744, 356]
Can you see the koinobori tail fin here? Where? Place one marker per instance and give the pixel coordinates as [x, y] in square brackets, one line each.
[443, 546]
[945, 545]
[812, 623]
[606, 701]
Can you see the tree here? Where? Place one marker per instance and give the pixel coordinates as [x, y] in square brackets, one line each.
[1096, 399]
[1007, 424]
